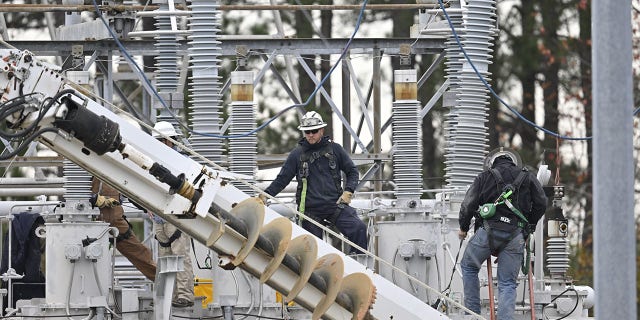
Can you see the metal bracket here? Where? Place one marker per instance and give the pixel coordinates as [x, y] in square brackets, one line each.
[77, 57]
[405, 54]
[209, 189]
[242, 53]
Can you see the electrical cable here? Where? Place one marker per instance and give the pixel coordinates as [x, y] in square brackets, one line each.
[493, 93]
[107, 229]
[100, 289]
[235, 281]
[560, 295]
[26, 143]
[453, 271]
[427, 273]
[21, 99]
[447, 290]
[431, 19]
[73, 272]
[251, 305]
[207, 260]
[173, 115]
[393, 262]
[6, 110]
[45, 106]
[95, 276]
[406, 269]
[12, 109]
[437, 303]
[260, 294]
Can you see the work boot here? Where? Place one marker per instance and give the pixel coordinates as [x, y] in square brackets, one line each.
[181, 303]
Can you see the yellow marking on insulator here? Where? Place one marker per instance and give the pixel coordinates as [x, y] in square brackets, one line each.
[242, 92]
[406, 91]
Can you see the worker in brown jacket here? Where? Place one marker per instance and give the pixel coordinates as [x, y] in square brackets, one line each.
[107, 199]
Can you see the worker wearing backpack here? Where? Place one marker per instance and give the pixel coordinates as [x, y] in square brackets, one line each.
[507, 202]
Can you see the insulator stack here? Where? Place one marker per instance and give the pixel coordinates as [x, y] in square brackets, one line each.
[167, 72]
[557, 257]
[453, 69]
[407, 149]
[167, 59]
[466, 126]
[242, 150]
[204, 55]
[453, 53]
[77, 182]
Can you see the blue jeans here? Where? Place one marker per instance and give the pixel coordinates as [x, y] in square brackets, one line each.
[509, 262]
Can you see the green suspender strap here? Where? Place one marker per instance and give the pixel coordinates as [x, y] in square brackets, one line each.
[310, 157]
[303, 192]
[303, 196]
[517, 212]
[523, 220]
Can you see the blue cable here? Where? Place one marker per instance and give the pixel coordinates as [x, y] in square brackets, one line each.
[164, 105]
[527, 121]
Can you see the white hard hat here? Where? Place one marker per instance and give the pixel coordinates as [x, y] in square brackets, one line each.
[311, 120]
[502, 151]
[163, 128]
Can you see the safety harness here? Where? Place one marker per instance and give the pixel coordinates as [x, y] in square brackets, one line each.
[306, 159]
[488, 210]
[171, 239]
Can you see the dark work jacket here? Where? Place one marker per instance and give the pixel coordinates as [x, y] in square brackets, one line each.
[322, 193]
[25, 248]
[531, 200]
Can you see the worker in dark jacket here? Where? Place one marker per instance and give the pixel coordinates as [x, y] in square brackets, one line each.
[502, 234]
[316, 164]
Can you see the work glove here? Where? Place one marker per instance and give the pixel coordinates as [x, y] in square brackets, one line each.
[262, 198]
[345, 198]
[103, 202]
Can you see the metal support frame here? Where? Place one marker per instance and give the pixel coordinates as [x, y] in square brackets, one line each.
[335, 109]
[275, 48]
